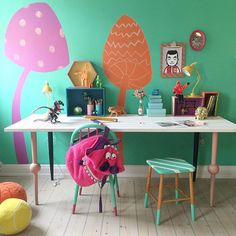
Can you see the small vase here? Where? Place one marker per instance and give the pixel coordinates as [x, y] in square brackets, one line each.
[98, 109]
[140, 108]
[90, 109]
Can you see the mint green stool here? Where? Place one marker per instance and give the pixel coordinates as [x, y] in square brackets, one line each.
[169, 166]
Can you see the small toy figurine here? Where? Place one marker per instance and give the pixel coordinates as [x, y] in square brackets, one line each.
[97, 82]
[201, 113]
[178, 90]
[118, 110]
[83, 75]
[53, 112]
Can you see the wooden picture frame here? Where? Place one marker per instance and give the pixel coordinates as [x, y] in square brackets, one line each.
[172, 60]
[82, 74]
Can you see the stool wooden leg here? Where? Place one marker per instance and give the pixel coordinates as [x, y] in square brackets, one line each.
[191, 196]
[176, 188]
[149, 175]
[159, 200]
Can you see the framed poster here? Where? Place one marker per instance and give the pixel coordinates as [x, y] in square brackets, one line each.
[172, 59]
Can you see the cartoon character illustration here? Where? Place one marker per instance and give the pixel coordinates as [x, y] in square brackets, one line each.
[178, 90]
[53, 112]
[172, 59]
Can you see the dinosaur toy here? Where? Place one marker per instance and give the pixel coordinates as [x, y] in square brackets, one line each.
[53, 111]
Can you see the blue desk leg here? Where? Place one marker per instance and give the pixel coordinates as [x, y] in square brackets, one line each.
[195, 153]
[50, 150]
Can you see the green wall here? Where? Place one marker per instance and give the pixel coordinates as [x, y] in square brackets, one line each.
[86, 25]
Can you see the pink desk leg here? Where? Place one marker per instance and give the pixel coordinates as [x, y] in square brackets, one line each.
[213, 167]
[34, 167]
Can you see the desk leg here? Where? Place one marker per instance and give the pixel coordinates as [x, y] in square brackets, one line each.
[50, 150]
[34, 167]
[213, 167]
[195, 154]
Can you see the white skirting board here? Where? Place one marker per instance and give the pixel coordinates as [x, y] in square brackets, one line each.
[130, 171]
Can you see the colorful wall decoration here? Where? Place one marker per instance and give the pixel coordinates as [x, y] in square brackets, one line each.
[35, 41]
[126, 57]
[94, 31]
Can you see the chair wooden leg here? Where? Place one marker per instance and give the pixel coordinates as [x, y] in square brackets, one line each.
[75, 198]
[191, 196]
[176, 188]
[148, 181]
[159, 200]
[113, 195]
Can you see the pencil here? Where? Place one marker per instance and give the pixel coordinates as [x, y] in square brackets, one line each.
[101, 118]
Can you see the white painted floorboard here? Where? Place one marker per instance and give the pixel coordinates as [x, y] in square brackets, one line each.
[53, 216]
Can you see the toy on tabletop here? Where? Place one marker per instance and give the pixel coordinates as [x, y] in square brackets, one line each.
[82, 74]
[178, 90]
[116, 110]
[201, 113]
[97, 82]
[53, 111]
[34, 24]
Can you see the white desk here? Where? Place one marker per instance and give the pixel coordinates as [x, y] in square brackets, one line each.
[129, 123]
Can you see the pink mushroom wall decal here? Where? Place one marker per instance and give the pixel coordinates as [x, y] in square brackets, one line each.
[35, 41]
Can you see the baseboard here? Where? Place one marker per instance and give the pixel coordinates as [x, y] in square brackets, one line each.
[130, 171]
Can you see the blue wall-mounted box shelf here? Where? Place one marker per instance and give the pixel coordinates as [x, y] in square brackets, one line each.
[75, 98]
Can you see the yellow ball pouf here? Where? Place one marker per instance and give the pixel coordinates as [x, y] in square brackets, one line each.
[15, 216]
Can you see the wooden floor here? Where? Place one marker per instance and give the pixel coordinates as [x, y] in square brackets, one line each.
[53, 216]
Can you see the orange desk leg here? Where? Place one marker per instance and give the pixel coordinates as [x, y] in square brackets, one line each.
[213, 167]
[34, 167]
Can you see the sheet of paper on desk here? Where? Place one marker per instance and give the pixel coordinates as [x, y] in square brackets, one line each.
[182, 123]
[192, 123]
[168, 124]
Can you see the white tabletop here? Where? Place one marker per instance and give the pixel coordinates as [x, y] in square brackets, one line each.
[126, 123]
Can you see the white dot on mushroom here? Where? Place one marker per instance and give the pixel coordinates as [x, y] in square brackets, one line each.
[38, 14]
[38, 31]
[40, 63]
[22, 42]
[22, 22]
[52, 49]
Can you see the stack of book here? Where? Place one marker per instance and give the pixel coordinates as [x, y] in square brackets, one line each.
[155, 106]
[211, 106]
